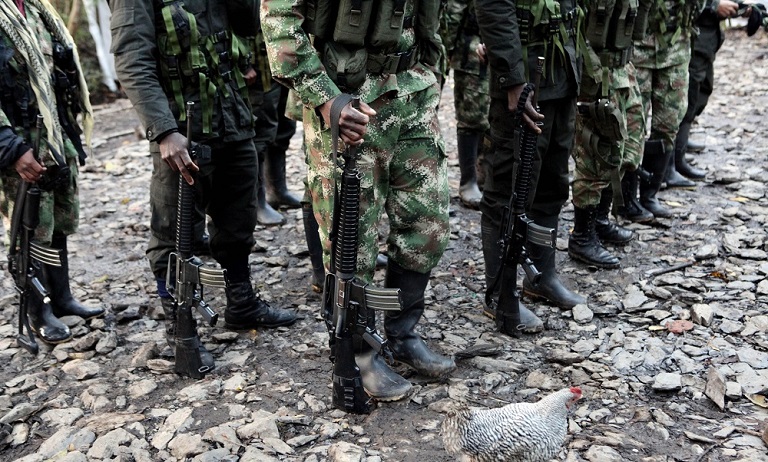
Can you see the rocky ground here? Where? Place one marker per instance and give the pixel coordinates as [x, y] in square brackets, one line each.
[651, 392]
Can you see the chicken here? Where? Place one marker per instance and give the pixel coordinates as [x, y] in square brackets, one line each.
[517, 432]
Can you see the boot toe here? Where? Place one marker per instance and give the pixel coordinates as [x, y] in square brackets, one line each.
[470, 195]
[415, 353]
[379, 380]
[529, 322]
[53, 334]
[556, 293]
[266, 316]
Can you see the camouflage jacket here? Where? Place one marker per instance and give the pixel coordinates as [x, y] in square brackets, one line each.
[462, 36]
[668, 42]
[296, 63]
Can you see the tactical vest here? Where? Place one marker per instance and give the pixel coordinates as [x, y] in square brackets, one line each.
[541, 22]
[356, 37]
[189, 60]
[611, 27]
[670, 18]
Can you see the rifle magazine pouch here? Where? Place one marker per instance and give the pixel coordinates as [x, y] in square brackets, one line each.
[598, 22]
[388, 25]
[352, 22]
[623, 24]
[346, 67]
[319, 16]
[641, 22]
[609, 120]
[608, 152]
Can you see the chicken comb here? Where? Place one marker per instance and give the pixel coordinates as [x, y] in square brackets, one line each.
[576, 390]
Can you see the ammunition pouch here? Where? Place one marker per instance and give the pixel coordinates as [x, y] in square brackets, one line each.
[607, 151]
[607, 119]
[386, 33]
[615, 59]
[598, 21]
[641, 22]
[319, 18]
[611, 23]
[352, 22]
[345, 66]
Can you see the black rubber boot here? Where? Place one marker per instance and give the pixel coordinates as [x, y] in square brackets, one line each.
[44, 323]
[379, 380]
[169, 310]
[583, 244]
[492, 256]
[608, 231]
[277, 192]
[467, 143]
[314, 246]
[550, 287]
[246, 310]
[655, 162]
[672, 178]
[693, 146]
[681, 145]
[62, 301]
[632, 210]
[265, 214]
[407, 345]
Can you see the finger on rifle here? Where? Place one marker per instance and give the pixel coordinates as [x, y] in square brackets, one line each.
[367, 110]
[186, 166]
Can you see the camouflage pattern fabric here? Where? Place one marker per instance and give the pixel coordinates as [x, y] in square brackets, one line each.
[665, 91]
[403, 161]
[591, 173]
[471, 100]
[59, 209]
[404, 172]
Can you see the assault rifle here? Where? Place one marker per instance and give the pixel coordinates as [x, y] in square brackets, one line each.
[187, 276]
[347, 299]
[25, 261]
[517, 229]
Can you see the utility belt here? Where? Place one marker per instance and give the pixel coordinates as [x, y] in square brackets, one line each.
[348, 66]
[392, 63]
[615, 59]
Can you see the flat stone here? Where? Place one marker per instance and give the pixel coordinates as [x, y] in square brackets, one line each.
[263, 426]
[599, 453]
[634, 301]
[345, 452]
[715, 387]
[62, 417]
[81, 369]
[106, 446]
[667, 381]
[187, 445]
[756, 359]
[702, 314]
[142, 388]
[64, 438]
[180, 420]
[582, 314]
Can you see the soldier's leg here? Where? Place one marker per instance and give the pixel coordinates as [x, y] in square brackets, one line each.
[417, 201]
[500, 164]
[552, 187]
[230, 202]
[379, 380]
[278, 194]
[471, 104]
[266, 125]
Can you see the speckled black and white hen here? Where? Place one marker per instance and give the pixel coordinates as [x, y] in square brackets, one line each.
[517, 432]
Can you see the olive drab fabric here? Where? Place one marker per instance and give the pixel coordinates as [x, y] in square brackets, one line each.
[403, 160]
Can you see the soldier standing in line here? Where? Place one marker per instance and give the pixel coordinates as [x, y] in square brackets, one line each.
[701, 77]
[387, 58]
[40, 73]
[610, 128]
[470, 93]
[168, 53]
[513, 43]
[661, 60]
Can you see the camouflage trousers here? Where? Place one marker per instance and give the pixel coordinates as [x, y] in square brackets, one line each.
[471, 100]
[59, 209]
[594, 171]
[404, 172]
[665, 94]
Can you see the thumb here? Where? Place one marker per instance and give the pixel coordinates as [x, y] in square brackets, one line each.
[367, 110]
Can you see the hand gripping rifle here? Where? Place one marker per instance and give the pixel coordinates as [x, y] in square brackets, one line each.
[516, 227]
[187, 276]
[25, 261]
[347, 299]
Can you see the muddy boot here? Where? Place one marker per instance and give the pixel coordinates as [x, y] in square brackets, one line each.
[492, 256]
[277, 192]
[169, 310]
[632, 210]
[608, 231]
[655, 162]
[467, 144]
[246, 310]
[265, 214]
[314, 246]
[44, 323]
[62, 301]
[407, 345]
[682, 165]
[379, 380]
[583, 244]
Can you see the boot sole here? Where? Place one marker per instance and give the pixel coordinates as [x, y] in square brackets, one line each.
[593, 263]
[387, 399]
[431, 376]
[50, 342]
[537, 296]
[535, 330]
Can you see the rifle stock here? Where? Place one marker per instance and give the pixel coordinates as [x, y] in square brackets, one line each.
[346, 299]
[187, 277]
[519, 230]
[25, 261]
